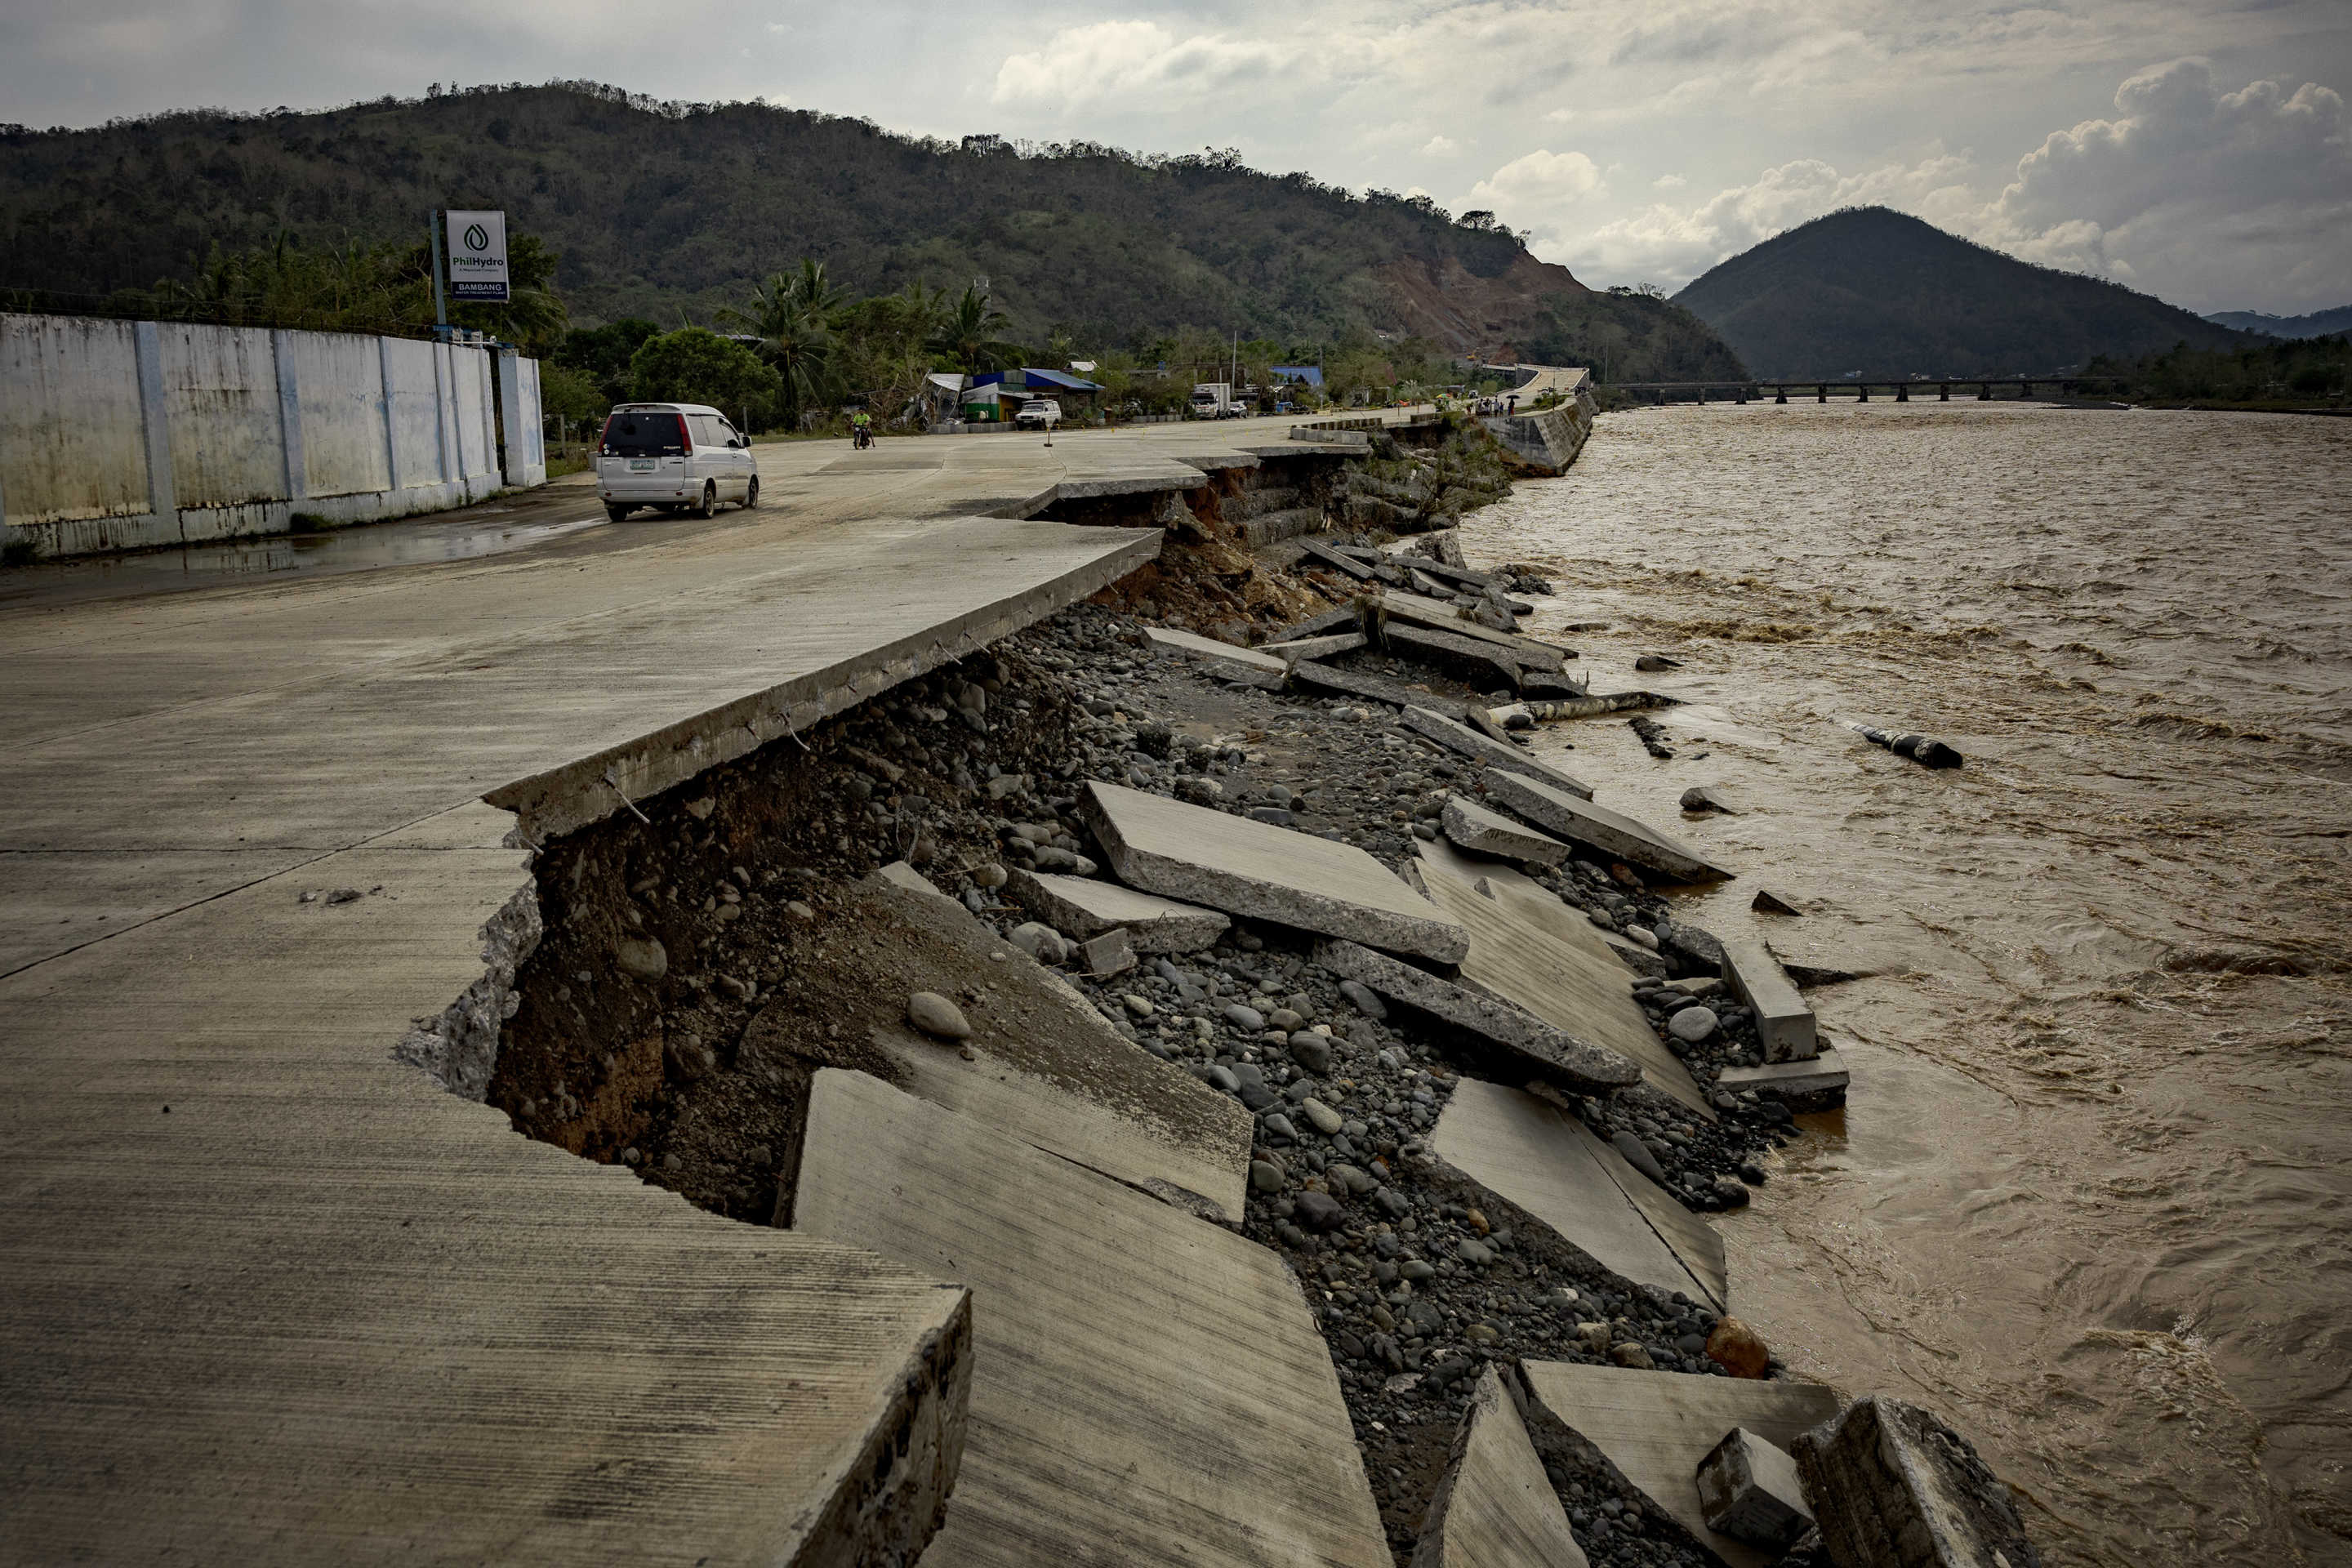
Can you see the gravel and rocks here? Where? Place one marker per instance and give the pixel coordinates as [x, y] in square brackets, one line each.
[667, 937]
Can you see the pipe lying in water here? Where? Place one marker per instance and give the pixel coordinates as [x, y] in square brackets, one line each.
[1924, 750]
[1552, 709]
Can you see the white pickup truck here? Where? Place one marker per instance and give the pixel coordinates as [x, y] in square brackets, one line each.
[1214, 400]
[1043, 412]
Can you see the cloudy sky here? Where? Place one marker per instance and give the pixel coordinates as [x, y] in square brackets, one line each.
[2197, 148]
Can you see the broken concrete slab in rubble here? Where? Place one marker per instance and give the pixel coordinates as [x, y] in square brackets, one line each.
[1610, 833]
[1783, 1023]
[1043, 1065]
[1308, 675]
[1892, 1486]
[1494, 1507]
[1322, 554]
[1545, 1161]
[898, 874]
[1470, 826]
[1145, 1387]
[1085, 908]
[1527, 947]
[1443, 616]
[1223, 661]
[1347, 617]
[1749, 1489]
[1527, 1042]
[1655, 1429]
[1257, 871]
[1505, 755]
[1817, 1083]
[1442, 545]
[1328, 646]
[1480, 661]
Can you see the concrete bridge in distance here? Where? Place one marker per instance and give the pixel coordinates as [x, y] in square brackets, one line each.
[1903, 389]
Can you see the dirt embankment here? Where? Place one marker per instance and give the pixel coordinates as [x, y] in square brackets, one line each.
[1485, 318]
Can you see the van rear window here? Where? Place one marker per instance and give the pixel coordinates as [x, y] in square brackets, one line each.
[647, 434]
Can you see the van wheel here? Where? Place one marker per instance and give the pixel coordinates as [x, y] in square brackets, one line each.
[751, 495]
[708, 504]
[616, 511]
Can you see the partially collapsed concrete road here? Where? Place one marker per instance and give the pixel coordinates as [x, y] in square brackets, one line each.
[275, 1295]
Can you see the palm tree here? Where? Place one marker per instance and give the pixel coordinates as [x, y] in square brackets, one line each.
[815, 290]
[968, 334]
[789, 314]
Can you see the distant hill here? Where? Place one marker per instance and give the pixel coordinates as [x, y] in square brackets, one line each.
[1879, 291]
[2318, 324]
[659, 210]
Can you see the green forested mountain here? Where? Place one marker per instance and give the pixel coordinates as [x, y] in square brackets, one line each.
[671, 212]
[1881, 292]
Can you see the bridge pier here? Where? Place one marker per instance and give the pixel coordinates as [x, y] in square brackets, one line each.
[1903, 393]
[1740, 397]
[1820, 394]
[1984, 392]
[1864, 388]
[1944, 393]
[1779, 394]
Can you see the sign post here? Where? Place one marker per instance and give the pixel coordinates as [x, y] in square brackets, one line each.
[440, 300]
[478, 257]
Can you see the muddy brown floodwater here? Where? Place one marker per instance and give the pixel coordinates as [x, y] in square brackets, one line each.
[2089, 1199]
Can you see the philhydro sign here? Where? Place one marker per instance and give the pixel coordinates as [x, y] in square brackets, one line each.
[477, 257]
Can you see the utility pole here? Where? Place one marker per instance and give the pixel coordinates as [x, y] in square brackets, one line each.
[440, 302]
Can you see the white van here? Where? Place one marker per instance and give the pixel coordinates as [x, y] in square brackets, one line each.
[672, 456]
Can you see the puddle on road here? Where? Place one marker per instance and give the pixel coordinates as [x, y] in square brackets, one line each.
[360, 548]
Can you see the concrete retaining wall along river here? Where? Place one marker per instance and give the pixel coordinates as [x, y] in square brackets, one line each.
[124, 434]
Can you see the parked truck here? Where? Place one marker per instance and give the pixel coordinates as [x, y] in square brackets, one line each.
[1214, 400]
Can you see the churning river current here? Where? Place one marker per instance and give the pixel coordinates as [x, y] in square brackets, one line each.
[2091, 1198]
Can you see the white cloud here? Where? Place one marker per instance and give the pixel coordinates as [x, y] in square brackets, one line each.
[1673, 244]
[1441, 146]
[1108, 61]
[1536, 191]
[2190, 189]
[1668, 182]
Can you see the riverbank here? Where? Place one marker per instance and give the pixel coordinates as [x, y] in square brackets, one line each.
[2100, 968]
[768, 954]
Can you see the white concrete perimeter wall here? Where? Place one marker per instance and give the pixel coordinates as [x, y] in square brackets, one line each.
[123, 434]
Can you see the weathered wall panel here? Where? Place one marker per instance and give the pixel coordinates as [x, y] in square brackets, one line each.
[220, 394]
[472, 377]
[340, 378]
[130, 435]
[73, 440]
[413, 380]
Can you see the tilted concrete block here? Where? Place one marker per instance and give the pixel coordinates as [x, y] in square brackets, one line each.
[1749, 1487]
[1504, 756]
[1892, 1486]
[1223, 661]
[1532, 1045]
[1527, 947]
[1655, 1428]
[1494, 1507]
[1816, 1084]
[1258, 872]
[1472, 826]
[1609, 832]
[1086, 909]
[1783, 1023]
[1145, 1386]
